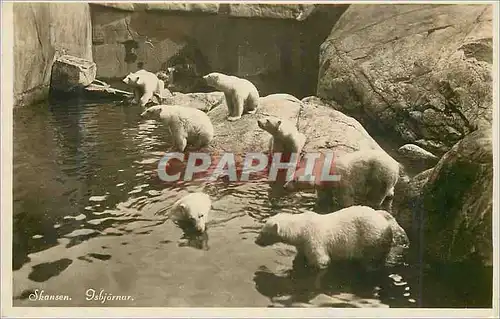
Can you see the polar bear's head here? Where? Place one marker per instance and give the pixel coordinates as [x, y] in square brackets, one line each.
[193, 213]
[271, 125]
[270, 234]
[213, 79]
[152, 112]
[131, 79]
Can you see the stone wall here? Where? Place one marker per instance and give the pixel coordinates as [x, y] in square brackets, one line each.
[42, 31]
[266, 44]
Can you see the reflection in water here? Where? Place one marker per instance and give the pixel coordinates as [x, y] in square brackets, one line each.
[192, 237]
[346, 284]
[88, 172]
[45, 271]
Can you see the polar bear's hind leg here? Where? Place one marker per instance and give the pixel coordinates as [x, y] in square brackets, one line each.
[252, 102]
[238, 106]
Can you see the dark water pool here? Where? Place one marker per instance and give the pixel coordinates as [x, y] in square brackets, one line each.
[85, 198]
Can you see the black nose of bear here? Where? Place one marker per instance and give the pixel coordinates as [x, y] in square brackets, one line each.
[260, 241]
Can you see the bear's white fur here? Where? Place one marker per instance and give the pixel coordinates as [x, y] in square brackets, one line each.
[354, 233]
[188, 126]
[192, 208]
[145, 84]
[367, 177]
[241, 95]
[285, 138]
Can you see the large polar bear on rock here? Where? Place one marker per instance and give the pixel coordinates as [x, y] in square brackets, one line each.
[145, 84]
[188, 126]
[367, 177]
[355, 233]
[241, 95]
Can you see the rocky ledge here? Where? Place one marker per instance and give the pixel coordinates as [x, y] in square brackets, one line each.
[420, 72]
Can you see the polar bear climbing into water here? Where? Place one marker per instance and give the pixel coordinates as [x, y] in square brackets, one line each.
[145, 84]
[192, 210]
[187, 125]
[285, 138]
[355, 233]
[241, 95]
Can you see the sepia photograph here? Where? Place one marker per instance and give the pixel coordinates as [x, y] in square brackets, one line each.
[305, 157]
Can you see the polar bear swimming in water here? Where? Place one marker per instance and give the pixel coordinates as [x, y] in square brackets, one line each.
[193, 210]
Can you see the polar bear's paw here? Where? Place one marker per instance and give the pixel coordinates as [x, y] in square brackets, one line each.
[233, 118]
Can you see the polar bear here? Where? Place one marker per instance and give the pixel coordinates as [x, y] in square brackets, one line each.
[356, 233]
[187, 125]
[367, 177]
[285, 138]
[145, 85]
[192, 210]
[241, 95]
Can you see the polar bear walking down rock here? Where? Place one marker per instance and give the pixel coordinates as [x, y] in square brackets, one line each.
[187, 125]
[285, 138]
[367, 177]
[354, 233]
[192, 210]
[145, 84]
[241, 95]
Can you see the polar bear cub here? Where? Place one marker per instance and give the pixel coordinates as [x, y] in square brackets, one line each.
[353, 233]
[145, 84]
[241, 95]
[187, 125]
[192, 209]
[285, 138]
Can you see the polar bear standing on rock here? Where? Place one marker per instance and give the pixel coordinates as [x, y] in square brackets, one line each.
[145, 84]
[285, 138]
[193, 210]
[241, 95]
[354, 233]
[188, 126]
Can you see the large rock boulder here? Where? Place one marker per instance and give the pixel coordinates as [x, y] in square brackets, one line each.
[329, 129]
[450, 205]
[71, 73]
[202, 101]
[458, 202]
[43, 32]
[420, 71]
